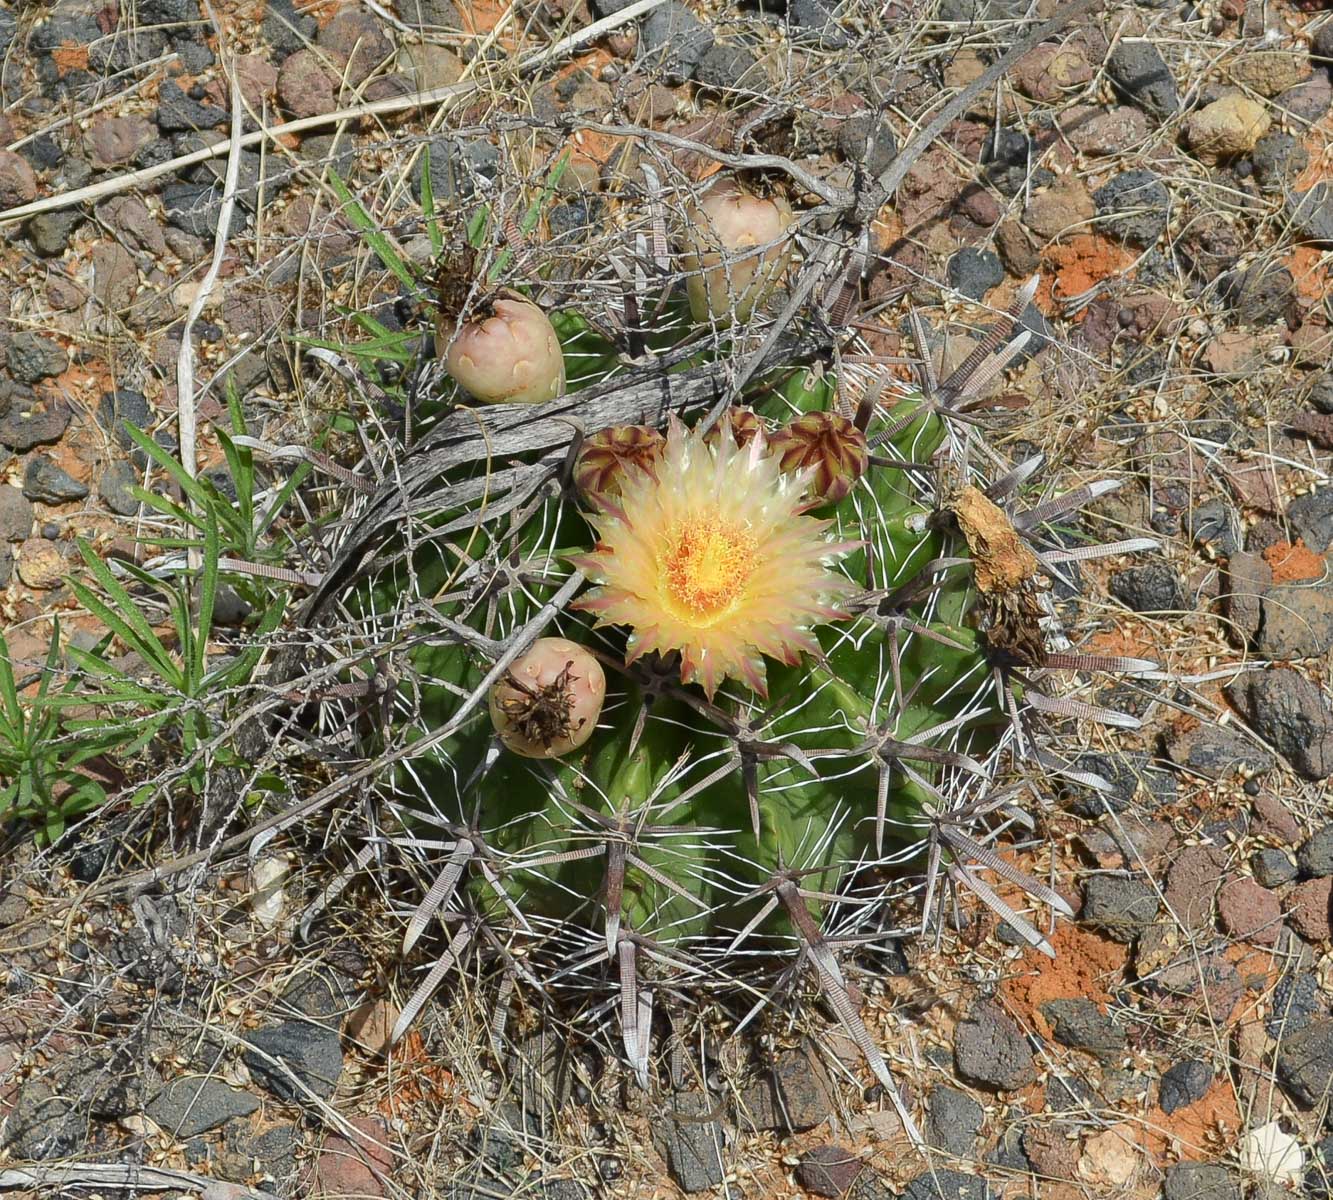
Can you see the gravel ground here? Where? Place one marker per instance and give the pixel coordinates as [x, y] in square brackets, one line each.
[1168, 172]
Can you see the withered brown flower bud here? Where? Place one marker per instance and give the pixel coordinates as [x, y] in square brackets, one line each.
[604, 458]
[831, 444]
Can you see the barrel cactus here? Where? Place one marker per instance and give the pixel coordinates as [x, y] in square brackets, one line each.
[818, 625]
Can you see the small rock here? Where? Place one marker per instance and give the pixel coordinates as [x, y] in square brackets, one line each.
[195, 208]
[371, 1025]
[953, 1121]
[1121, 781]
[115, 276]
[116, 141]
[1139, 73]
[1249, 912]
[1294, 1004]
[1199, 1181]
[1288, 712]
[674, 39]
[430, 66]
[1315, 855]
[1060, 209]
[974, 272]
[443, 14]
[1311, 211]
[177, 112]
[828, 1170]
[41, 565]
[1270, 72]
[1111, 1159]
[1235, 354]
[944, 1183]
[130, 216]
[48, 483]
[310, 1052]
[1048, 71]
[1119, 906]
[33, 358]
[1305, 1064]
[1260, 294]
[42, 1124]
[188, 1107]
[305, 86]
[1311, 518]
[1097, 133]
[355, 1165]
[1133, 206]
[115, 486]
[726, 65]
[1272, 867]
[796, 1095]
[1081, 1025]
[354, 39]
[991, 1051]
[690, 1140]
[1321, 392]
[1016, 250]
[1050, 1150]
[30, 423]
[1271, 1153]
[1194, 985]
[1192, 882]
[50, 232]
[1226, 128]
[1277, 159]
[1296, 621]
[820, 16]
[1308, 909]
[18, 184]
[16, 515]
[286, 30]
[1308, 101]
[1183, 1084]
[1150, 587]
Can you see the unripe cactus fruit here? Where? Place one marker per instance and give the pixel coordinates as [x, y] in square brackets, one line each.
[507, 353]
[735, 246]
[548, 701]
[827, 445]
[604, 459]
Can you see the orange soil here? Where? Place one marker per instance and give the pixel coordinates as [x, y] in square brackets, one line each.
[1072, 267]
[1199, 1131]
[70, 58]
[1294, 562]
[1085, 963]
[1313, 272]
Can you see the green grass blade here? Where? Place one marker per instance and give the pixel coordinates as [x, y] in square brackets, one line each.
[375, 239]
[428, 204]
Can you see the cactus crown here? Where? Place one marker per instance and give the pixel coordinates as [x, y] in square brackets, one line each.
[822, 630]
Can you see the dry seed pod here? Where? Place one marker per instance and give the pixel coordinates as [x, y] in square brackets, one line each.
[604, 458]
[507, 353]
[831, 444]
[548, 702]
[727, 275]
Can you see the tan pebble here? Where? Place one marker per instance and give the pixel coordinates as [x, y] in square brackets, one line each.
[41, 565]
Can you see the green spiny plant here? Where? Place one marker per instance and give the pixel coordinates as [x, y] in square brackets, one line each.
[823, 629]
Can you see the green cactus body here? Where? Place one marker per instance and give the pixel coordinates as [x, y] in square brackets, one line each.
[673, 804]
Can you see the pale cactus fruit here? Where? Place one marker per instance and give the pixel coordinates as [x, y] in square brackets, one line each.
[508, 353]
[735, 246]
[548, 700]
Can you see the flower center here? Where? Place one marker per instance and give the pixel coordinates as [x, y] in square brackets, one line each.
[707, 564]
